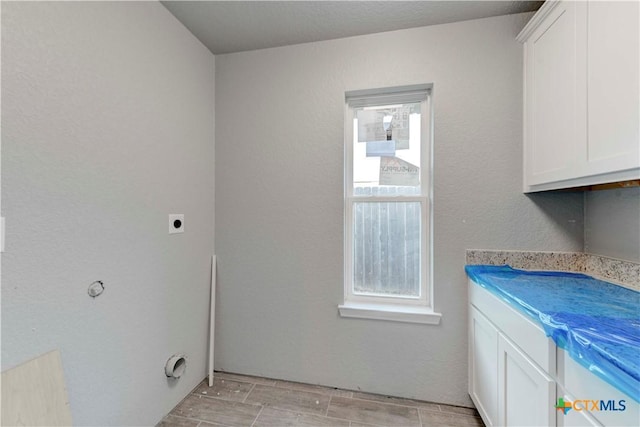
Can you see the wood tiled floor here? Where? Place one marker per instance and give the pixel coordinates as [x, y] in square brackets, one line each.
[237, 400]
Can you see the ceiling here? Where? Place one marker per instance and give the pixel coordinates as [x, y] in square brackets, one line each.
[235, 26]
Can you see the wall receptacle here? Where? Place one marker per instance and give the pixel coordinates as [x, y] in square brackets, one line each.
[176, 223]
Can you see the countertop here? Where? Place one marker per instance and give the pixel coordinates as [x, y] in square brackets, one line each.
[596, 322]
[621, 272]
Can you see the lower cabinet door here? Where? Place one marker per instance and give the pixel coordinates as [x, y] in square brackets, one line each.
[483, 366]
[575, 419]
[526, 394]
[569, 417]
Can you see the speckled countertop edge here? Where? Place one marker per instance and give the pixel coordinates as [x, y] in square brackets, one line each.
[625, 273]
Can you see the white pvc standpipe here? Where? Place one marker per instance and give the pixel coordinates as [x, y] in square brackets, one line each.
[212, 318]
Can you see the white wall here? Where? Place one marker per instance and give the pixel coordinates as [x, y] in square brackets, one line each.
[107, 127]
[279, 169]
[612, 223]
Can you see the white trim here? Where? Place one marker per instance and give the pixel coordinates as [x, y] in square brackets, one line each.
[533, 23]
[427, 189]
[348, 205]
[393, 95]
[212, 319]
[388, 198]
[397, 313]
[605, 178]
[385, 307]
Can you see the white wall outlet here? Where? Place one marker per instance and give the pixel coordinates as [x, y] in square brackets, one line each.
[176, 223]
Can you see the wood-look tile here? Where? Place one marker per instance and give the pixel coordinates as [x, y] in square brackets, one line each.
[171, 421]
[443, 419]
[396, 400]
[287, 399]
[244, 378]
[357, 424]
[217, 411]
[342, 393]
[270, 417]
[370, 412]
[329, 391]
[305, 387]
[225, 389]
[459, 410]
[242, 400]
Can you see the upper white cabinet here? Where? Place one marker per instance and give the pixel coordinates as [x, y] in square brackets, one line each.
[613, 86]
[581, 94]
[555, 95]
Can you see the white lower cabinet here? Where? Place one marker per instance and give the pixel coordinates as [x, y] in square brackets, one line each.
[483, 366]
[507, 387]
[506, 383]
[517, 375]
[577, 383]
[526, 394]
[573, 418]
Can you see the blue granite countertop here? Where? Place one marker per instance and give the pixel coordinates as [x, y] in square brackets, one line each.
[596, 322]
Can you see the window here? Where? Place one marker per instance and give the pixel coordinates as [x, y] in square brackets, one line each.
[387, 205]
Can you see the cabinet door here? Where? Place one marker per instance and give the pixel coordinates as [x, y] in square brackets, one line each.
[483, 366]
[555, 95]
[613, 86]
[526, 394]
[573, 418]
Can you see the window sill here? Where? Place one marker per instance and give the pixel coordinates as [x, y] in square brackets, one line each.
[393, 313]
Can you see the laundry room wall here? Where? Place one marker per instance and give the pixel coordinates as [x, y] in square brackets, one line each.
[107, 127]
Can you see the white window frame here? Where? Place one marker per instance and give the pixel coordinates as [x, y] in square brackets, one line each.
[383, 307]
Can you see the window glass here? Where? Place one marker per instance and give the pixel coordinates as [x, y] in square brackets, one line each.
[386, 248]
[386, 150]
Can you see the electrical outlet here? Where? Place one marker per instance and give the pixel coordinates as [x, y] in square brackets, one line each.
[176, 223]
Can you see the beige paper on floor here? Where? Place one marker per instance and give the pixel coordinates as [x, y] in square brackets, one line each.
[34, 393]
